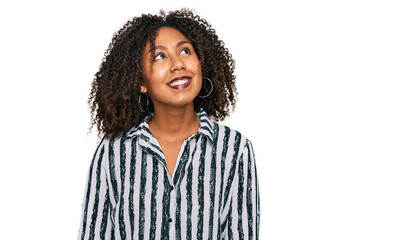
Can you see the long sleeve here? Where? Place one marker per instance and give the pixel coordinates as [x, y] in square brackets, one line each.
[244, 210]
[95, 221]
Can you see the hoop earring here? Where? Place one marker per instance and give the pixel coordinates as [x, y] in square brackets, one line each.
[211, 89]
[139, 102]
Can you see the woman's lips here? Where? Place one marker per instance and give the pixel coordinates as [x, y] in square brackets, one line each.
[180, 82]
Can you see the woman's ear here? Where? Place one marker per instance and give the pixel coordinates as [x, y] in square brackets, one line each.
[143, 89]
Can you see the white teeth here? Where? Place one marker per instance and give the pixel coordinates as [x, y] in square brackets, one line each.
[179, 82]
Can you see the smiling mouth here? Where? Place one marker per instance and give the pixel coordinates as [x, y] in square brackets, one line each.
[180, 82]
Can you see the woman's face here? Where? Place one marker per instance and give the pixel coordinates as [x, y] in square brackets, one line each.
[173, 78]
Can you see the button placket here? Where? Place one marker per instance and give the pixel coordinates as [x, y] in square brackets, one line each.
[173, 197]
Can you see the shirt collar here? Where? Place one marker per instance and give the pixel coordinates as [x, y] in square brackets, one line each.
[143, 132]
[206, 125]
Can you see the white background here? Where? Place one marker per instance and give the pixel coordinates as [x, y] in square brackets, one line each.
[326, 95]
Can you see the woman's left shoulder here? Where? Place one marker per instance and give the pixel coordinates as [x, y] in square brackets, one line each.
[236, 138]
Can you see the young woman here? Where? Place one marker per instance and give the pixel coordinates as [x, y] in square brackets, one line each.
[164, 169]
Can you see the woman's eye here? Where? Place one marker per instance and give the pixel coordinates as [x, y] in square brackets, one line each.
[185, 51]
[159, 56]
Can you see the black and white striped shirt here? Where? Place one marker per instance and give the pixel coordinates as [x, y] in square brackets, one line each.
[212, 194]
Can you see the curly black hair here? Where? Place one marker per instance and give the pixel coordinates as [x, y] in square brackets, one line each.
[114, 97]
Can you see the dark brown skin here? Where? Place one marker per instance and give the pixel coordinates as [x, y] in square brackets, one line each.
[115, 92]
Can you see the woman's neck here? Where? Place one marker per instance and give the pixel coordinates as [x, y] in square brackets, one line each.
[174, 124]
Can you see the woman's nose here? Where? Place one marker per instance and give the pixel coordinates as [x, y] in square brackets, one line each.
[177, 64]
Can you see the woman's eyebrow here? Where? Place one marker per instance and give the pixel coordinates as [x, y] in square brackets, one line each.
[182, 42]
[162, 47]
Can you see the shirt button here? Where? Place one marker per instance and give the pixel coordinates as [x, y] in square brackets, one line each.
[170, 220]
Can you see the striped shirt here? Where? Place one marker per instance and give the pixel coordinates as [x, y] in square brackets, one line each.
[212, 194]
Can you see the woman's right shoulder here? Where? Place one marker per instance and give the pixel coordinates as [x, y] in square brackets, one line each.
[102, 146]
[109, 139]
[109, 142]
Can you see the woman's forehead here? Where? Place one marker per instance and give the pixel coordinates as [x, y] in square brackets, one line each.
[170, 35]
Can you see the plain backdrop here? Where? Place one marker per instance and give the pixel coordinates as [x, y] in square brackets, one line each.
[326, 95]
